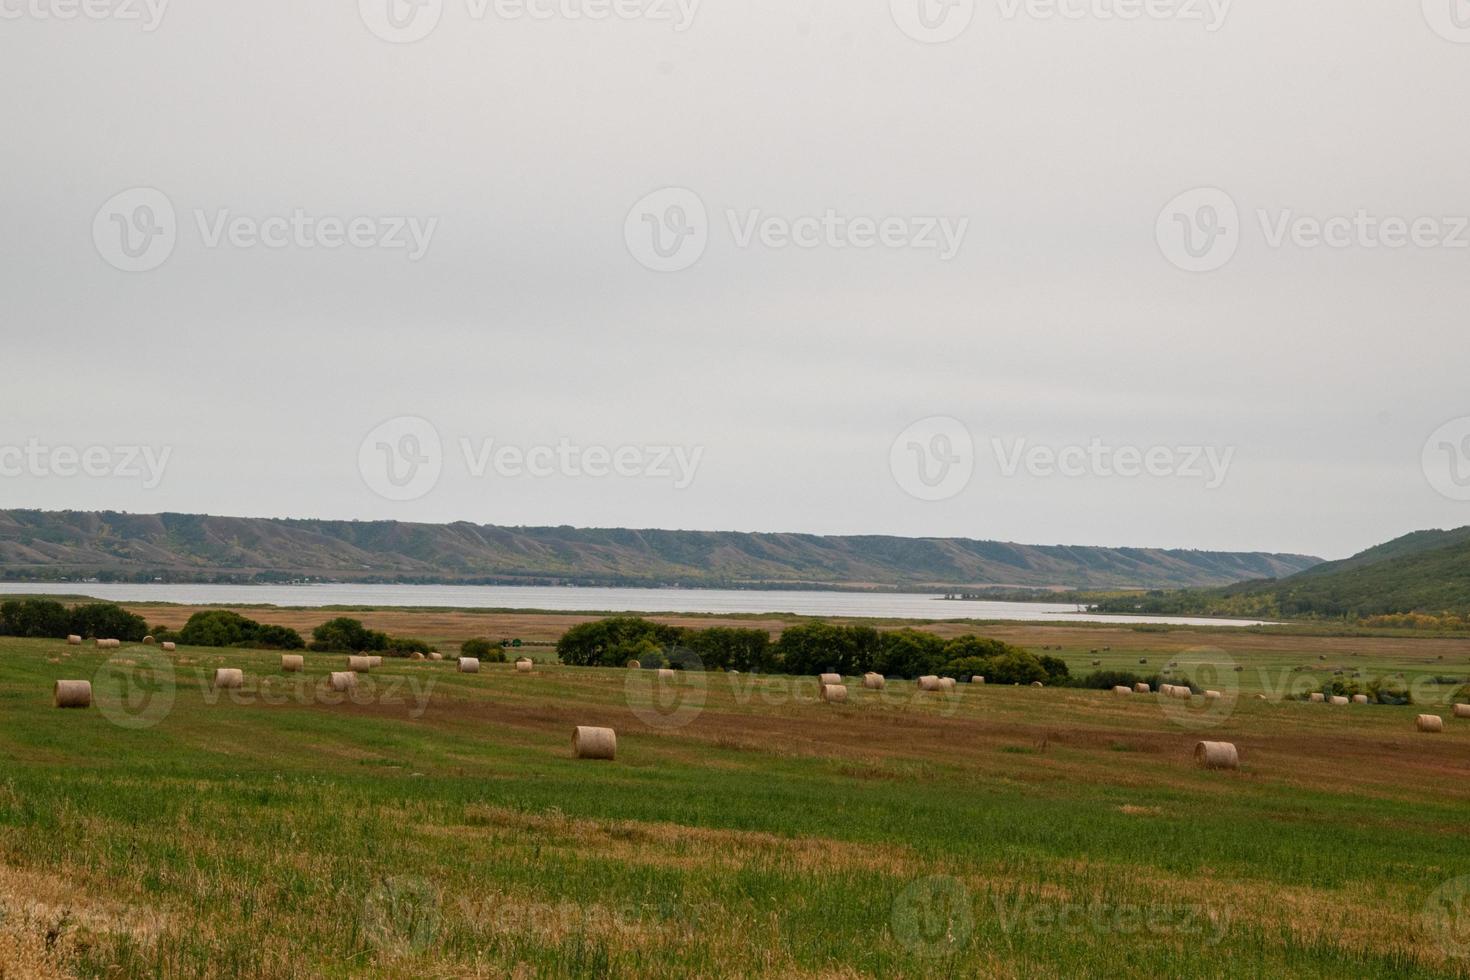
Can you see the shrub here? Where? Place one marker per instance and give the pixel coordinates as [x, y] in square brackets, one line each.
[345, 635]
[221, 628]
[106, 620]
[723, 648]
[909, 653]
[814, 648]
[613, 642]
[34, 618]
[1106, 680]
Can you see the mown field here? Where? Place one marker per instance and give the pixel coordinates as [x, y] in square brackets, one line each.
[435, 824]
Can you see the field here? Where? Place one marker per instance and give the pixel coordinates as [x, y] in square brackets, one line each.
[436, 824]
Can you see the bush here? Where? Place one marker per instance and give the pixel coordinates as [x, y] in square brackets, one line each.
[815, 648]
[221, 628]
[613, 642]
[483, 650]
[34, 618]
[404, 646]
[910, 653]
[723, 648]
[108, 621]
[345, 635]
[1106, 680]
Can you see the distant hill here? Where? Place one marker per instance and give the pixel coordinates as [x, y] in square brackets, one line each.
[1425, 572]
[183, 547]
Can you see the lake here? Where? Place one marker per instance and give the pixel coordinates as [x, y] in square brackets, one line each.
[884, 605]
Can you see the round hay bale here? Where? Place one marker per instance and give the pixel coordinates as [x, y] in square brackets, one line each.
[74, 641]
[1141, 688]
[634, 665]
[148, 641]
[359, 665]
[666, 674]
[1097, 663]
[594, 743]
[169, 647]
[1213, 695]
[1339, 701]
[229, 678]
[1216, 755]
[929, 683]
[375, 661]
[874, 682]
[342, 680]
[1360, 699]
[834, 693]
[469, 665]
[1318, 697]
[829, 678]
[1121, 690]
[1462, 711]
[1182, 692]
[293, 663]
[1143, 660]
[72, 694]
[946, 683]
[435, 655]
[1037, 684]
[101, 644]
[525, 666]
[977, 679]
[416, 656]
[1429, 723]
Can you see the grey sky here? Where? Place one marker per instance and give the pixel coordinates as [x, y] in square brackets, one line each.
[529, 319]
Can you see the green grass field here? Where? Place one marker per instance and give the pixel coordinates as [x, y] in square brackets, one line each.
[436, 825]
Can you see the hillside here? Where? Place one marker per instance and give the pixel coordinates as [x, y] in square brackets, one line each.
[1424, 572]
[181, 547]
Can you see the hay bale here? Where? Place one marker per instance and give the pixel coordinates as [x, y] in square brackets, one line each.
[594, 743]
[435, 655]
[1429, 723]
[634, 665]
[229, 678]
[829, 679]
[1182, 692]
[342, 680]
[1121, 690]
[1360, 699]
[946, 683]
[359, 665]
[469, 665]
[416, 656]
[1213, 695]
[74, 641]
[1142, 688]
[1462, 711]
[1318, 697]
[1037, 684]
[977, 679]
[874, 682]
[929, 683]
[1340, 701]
[375, 661]
[525, 666]
[1216, 755]
[1097, 663]
[666, 674]
[170, 647]
[72, 694]
[293, 663]
[148, 641]
[834, 693]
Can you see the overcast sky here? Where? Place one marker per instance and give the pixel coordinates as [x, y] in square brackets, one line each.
[1044, 232]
